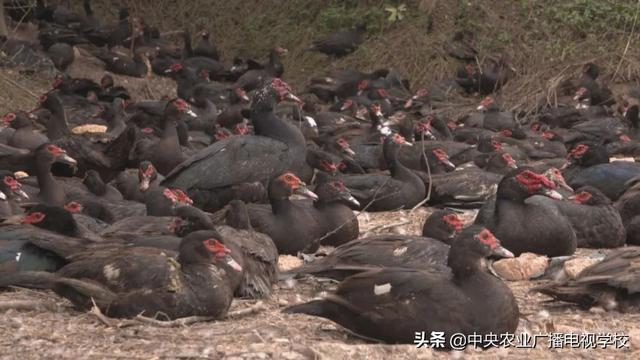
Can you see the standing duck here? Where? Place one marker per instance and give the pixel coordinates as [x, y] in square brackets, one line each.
[126, 282]
[209, 174]
[541, 229]
[391, 304]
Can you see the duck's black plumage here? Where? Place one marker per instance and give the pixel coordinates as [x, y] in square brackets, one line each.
[391, 304]
[541, 228]
[279, 146]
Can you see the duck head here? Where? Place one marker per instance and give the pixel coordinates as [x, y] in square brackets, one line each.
[588, 195]
[271, 93]
[287, 184]
[522, 183]
[11, 186]
[332, 191]
[189, 219]
[206, 247]
[55, 154]
[443, 225]
[587, 155]
[555, 175]
[441, 157]
[146, 174]
[486, 103]
[52, 218]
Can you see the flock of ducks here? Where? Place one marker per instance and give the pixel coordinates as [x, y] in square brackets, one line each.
[177, 205]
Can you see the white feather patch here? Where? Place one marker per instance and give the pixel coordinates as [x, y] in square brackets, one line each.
[381, 289]
[111, 272]
[399, 251]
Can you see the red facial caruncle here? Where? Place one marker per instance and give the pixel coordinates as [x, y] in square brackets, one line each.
[581, 197]
[338, 185]
[282, 88]
[9, 117]
[486, 237]
[33, 218]
[215, 247]
[12, 183]
[293, 181]
[328, 166]
[549, 135]
[440, 154]
[508, 160]
[533, 181]
[578, 151]
[454, 221]
[73, 207]
[505, 133]
[55, 150]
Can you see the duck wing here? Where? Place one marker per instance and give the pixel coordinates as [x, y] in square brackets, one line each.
[231, 161]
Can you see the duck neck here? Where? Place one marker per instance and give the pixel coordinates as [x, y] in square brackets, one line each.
[57, 126]
[46, 182]
[271, 126]
[463, 263]
[280, 205]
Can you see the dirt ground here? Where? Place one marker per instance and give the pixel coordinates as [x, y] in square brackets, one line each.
[56, 330]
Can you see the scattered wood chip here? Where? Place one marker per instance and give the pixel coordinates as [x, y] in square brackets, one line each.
[574, 267]
[288, 262]
[89, 128]
[524, 267]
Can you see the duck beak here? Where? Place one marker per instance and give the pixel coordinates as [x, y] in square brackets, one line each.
[21, 193]
[3, 196]
[564, 185]
[408, 104]
[311, 121]
[499, 251]
[349, 151]
[292, 97]
[350, 199]
[566, 165]
[481, 107]
[191, 113]
[64, 158]
[407, 143]
[429, 135]
[232, 263]
[552, 194]
[448, 164]
[304, 191]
